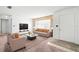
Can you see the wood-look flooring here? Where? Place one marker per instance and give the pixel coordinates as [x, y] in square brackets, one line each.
[40, 44]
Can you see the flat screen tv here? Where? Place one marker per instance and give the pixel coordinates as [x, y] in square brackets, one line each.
[23, 26]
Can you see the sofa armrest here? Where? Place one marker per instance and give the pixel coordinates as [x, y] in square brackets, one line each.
[18, 39]
[17, 43]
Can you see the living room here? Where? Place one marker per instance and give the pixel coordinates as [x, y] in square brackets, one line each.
[18, 17]
[38, 26]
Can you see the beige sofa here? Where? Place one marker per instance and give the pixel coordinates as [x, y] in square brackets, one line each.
[43, 32]
[16, 42]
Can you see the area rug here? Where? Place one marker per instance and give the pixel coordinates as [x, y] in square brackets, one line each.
[33, 43]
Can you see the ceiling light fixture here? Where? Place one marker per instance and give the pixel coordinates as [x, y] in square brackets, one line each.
[9, 7]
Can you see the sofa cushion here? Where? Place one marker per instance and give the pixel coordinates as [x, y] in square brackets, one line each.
[15, 35]
[42, 30]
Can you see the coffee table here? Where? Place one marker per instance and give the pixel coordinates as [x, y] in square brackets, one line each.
[31, 37]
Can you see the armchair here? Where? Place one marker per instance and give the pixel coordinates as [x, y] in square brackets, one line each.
[16, 42]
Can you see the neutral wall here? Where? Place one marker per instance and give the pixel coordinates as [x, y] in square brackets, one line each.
[24, 14]
[74, 14]
[17, 17]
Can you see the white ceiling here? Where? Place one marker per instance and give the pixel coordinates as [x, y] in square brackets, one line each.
[32, 11]
[38, 11]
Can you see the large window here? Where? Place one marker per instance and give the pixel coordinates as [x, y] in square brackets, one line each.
[43, 22]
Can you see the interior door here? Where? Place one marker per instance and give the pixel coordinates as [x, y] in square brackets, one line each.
[4, 26]
[77, 28]
[0, 26]
[67, 27]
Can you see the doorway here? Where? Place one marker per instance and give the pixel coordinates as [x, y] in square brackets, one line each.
[4, 27]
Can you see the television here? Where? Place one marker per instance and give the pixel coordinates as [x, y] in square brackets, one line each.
[23, 26]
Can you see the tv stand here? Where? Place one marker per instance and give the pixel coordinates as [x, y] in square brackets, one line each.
[23, 32]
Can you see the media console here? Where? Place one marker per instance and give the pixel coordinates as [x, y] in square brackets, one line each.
[23, 33]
